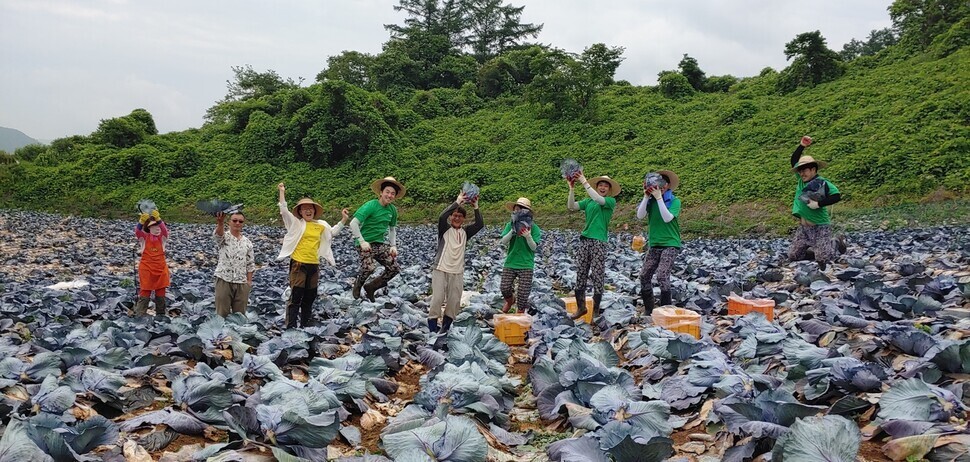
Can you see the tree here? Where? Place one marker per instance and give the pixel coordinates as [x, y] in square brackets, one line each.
[878, 40]
[689, 68]
[127, 131]
[812, 62]
[493, 28]
[567, 85]
[918, 22]
[249, 84]
[435, 17]
[353, 67]
[674, 85]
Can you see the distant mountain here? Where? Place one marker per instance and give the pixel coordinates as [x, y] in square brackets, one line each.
[11, 139]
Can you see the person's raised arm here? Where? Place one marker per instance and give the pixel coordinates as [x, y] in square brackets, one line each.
[591, 191]
[642, 208]
[805, 141]
[479, 223]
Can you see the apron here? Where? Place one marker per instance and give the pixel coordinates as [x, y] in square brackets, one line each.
[152, 270]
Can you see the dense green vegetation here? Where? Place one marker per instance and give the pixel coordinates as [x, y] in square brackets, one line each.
[446, 103]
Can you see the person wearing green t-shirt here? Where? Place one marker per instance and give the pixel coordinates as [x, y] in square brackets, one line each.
[813, 194]
[591, 254]
[371, 221]
[661, 209]
[522, 236]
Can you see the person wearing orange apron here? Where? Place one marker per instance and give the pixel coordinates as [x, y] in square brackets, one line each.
[153, 273]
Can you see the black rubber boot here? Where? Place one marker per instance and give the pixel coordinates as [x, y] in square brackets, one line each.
[433, 325]
[292, 315]
[160, 303]
[372, 287]
[648, 304]
[358, 283]
[580, 304]
[597, 299]
[665, 298]
[306, 307]
[446, 325]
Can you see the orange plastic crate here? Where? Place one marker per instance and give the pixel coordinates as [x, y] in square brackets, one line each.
[678, 320]
[511, 328]
[741, 306]
[571, 308]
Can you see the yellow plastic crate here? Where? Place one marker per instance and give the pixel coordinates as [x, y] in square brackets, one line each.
[571, 308]
[740, 306]
[511, 328]
[678, 320]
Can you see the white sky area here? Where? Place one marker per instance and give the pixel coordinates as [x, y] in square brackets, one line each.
[67, 64]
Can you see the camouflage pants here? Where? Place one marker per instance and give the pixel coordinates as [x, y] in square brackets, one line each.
[817, 237]
[591, 262]
[378, 253]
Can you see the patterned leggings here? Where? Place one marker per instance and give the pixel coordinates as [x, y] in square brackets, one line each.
[525, 286]
[659, 260]
[818, 237]
[591, 260]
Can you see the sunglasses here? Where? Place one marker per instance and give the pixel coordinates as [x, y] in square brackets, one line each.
[238, 221]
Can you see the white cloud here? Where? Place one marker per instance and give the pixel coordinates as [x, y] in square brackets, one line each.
[69, 64]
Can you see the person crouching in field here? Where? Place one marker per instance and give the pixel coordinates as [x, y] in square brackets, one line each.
[813, 195]
[307, 242]
[448, 276]
[371, 221]
[522, 237]
[662, 209]
[153, 275]
[234, 272]
[591, 255]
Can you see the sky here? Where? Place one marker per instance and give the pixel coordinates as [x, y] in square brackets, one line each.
[68, 64]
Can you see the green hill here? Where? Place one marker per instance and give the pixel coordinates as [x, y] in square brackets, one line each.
[893, 125]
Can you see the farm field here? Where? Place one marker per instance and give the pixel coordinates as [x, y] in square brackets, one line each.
[868, 359]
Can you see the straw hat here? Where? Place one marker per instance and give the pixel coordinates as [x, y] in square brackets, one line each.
[614, 185]
[317, 208]
[376, 186]
[674, 179]
[806, 160]
[521, 202]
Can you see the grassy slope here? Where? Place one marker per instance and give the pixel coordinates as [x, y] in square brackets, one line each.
[894, 133]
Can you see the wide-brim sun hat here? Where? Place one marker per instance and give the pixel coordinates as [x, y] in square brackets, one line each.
[674, 180]
[376, 186]
[808, 160]
[614, 185]
[317, 208]
[521, 202]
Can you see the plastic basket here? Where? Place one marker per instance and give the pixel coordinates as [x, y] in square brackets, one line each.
[571, 308]
[741, 306]
[678, 320]
[511, 328]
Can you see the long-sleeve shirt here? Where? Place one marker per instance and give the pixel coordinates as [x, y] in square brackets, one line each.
[450, 255]
[294, 231]
[819, 216]
[144, 236]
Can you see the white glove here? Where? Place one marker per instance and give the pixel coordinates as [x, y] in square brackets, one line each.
[393, 252]
[364, 245]
[813, 205]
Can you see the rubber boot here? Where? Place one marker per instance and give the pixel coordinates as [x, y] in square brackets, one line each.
[840, 244]
[433, 325]
[597, 299]
[358, 283]
[665, 298]
[507, 307]
[446, 325]
[648, 302]
[141, 306]
[372, 287]
[160, 303]
[306, 307]
[580, 304]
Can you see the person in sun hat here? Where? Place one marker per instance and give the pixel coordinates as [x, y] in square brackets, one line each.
[591, 254]
[661, 208]
[813, 195]
[307, 242]
[371, 222]
[522, 236]
[448, 274]
[153, 274]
